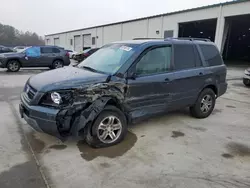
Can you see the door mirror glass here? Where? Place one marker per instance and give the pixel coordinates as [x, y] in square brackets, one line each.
[131, 76]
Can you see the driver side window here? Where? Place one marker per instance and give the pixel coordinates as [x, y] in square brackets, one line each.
[33, 52]
[155, 61]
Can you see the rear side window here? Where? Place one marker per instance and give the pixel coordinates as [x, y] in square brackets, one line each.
[211, 55]
[56, 50]
[46, 50]
[184, 57]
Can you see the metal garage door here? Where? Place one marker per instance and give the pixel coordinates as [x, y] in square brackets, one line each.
[77, 43]
[56, 42]
[87, 40]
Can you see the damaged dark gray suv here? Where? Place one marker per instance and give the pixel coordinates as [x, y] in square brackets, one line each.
[124, 82]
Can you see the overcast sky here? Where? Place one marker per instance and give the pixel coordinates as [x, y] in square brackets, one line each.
[50, 16]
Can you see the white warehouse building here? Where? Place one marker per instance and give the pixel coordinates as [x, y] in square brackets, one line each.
[227, 24]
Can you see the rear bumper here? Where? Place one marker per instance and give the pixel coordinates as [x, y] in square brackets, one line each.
[41, 119]
[67, 61]
[222, 89]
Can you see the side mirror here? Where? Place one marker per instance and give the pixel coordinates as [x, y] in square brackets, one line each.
[132, 76]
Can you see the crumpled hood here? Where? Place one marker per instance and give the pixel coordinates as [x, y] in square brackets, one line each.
[65, 78]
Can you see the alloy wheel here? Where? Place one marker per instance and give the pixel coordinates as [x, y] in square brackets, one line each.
[206, 103]
[109, 130]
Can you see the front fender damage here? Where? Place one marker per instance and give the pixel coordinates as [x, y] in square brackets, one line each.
[86, 106]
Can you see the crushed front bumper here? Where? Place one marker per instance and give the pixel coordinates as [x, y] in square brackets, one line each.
[42, 119]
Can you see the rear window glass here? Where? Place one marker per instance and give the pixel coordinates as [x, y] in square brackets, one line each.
[184, 57]
[211, 55]
[56, 50]
[46, 50]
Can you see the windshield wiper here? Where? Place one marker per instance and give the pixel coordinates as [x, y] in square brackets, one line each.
[93, 70]
[90, 68]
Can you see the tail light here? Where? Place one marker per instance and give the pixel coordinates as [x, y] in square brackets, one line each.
[67, 54]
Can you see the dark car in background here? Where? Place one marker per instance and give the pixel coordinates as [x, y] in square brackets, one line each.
[4, 49]
[86, 53]
[35, 56]
[122, 83]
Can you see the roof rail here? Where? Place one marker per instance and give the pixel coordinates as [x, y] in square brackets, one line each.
[147, 38]
[189, 38]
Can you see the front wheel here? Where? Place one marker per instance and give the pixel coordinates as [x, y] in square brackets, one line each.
[246, 82]
[13, 66]
[109, 128]
[57, 64]
[204, 104]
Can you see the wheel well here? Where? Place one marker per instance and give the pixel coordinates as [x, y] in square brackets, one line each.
[115, 103]
[213, 87]
[14, 60]
[58, 60]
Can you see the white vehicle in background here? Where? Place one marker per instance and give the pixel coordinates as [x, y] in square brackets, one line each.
[20, 48]
[246, 78]
[71, 53]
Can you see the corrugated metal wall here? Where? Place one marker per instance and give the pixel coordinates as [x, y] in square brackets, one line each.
[155, 27]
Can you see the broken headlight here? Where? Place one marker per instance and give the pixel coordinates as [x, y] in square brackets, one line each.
[58, 98]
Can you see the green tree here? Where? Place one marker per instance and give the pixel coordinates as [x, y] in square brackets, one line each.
[9, 36]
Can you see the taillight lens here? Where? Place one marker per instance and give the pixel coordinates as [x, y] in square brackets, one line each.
[67, 54]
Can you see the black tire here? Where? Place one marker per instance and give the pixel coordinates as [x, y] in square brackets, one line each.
[13, 66]
[92, 137]
[246, 82]
[57, 64]
[196, 110]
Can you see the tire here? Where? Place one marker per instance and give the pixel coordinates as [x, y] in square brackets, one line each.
[200, 109]
[246, 82]
[96, 133]
[13, 66]
[57, 64]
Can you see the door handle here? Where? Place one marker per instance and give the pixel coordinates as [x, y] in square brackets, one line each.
[167, 80]
[200, 74]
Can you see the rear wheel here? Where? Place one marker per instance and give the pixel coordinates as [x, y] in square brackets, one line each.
[246, 82]
[109, 128]
[57, 64]
[204, 104]
[13, 66]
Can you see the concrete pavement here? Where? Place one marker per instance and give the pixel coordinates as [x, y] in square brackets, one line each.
[174, 150]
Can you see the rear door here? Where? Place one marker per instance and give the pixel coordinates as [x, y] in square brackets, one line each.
[149, 92]
[47, 56]
[189, 75]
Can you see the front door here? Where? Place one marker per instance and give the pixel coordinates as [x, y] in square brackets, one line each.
[149, 92]
[32, 57]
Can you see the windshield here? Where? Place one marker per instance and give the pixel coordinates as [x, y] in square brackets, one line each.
[109, 58]
[23, 50]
